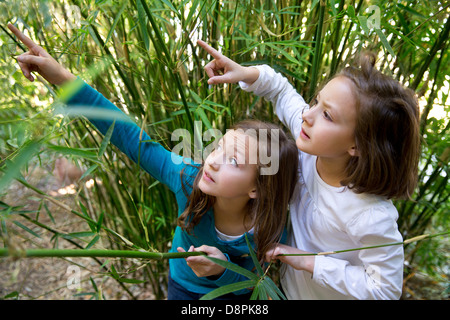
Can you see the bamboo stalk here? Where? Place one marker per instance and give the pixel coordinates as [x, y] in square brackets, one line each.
[418, 238]
[46, 253]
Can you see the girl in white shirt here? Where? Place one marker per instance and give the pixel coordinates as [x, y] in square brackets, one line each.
[359, 147]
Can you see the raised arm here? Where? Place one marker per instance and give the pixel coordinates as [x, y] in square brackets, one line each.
[127, 136]
[262, 81]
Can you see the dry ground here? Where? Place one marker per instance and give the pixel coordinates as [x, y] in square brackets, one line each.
[52, 278]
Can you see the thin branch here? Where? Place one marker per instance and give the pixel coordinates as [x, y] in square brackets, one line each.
[418, 238]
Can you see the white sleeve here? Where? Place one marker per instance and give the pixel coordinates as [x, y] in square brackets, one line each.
[380, 276]
[277, 89]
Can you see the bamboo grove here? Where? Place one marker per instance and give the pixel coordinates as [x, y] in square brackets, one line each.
[142, 55]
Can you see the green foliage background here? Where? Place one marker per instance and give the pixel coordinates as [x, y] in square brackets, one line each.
[142, 56]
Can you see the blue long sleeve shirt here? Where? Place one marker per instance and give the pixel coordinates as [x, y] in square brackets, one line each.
[166, 167]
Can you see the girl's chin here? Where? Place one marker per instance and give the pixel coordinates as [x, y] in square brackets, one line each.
[204, 188]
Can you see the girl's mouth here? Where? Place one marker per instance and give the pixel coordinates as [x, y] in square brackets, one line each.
[304, 135]
[207, 177]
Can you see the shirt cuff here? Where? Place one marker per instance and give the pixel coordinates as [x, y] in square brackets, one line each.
[70, 90]
[250, 88]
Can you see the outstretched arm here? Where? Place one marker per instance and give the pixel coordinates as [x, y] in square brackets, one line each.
[127, 136]
[262, 81]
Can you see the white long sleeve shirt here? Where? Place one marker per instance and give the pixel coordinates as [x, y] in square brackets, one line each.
[326, 218]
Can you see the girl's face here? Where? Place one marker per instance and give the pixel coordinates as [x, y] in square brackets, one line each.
[329, 125]
[228, 171]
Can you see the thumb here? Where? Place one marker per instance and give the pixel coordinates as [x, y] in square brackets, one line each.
[226, 78]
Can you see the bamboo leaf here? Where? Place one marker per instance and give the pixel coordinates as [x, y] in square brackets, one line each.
[17, 223]
[124, 280]
[253, 255]
[92, 242]
[76, 152]
[201, 113]
[89, 171]
[100, 222]
[385, 42]
[106, 140]
[143, 24]
[228, 289]
[25, 153]
[116, 20]
[272, 289]
[234, 267]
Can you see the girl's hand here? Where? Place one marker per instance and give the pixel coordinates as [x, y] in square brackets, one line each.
[224, 70]
[297, 262]
[201, 266]
[38, 60]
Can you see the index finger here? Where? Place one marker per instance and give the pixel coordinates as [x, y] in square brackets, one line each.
[213, 52]
[25, 40]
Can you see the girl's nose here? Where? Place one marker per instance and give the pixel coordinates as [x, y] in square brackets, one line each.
[213, 160]
[307, 115]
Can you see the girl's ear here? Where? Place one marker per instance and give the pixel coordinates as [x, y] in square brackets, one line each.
[353, 151]
[253, 194]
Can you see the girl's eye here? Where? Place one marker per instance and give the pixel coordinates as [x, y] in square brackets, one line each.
[314, 103]
[233, 161]
[327, 116]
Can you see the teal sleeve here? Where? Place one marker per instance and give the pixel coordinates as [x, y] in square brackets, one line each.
[160, 163]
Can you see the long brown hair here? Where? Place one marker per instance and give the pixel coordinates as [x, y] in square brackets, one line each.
[387, 133]
[268, 211]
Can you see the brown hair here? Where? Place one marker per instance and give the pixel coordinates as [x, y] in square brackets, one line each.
[268, 210]
[387, 134]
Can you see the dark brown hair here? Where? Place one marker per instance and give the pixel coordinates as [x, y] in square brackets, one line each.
[387, 133]
[268, 210]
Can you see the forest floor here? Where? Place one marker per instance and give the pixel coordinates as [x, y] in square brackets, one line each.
[52, 278]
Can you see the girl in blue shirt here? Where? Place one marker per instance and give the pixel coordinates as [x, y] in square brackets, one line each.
[219, 201]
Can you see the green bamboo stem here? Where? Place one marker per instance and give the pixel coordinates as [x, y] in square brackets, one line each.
[47, 253]
[418, 238]
[169, 62]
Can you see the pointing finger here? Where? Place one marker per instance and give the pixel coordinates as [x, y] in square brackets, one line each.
[213, 52]
[25, 40]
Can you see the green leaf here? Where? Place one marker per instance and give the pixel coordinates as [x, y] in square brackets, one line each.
[81, 234]
[17, 223]
[116, 20]
[234, 267]
[201, 113]
[100, 221]
[143, 24]
[124, 280]
[76, 152]
[271, 289]
[106, 139]
[13, 167]
[93, 241]
[89, 171]
[253, 255]
[228, 289]
[385, 42]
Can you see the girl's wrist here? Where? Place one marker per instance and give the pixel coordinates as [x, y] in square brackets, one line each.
[66, 77]
[251, 75]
